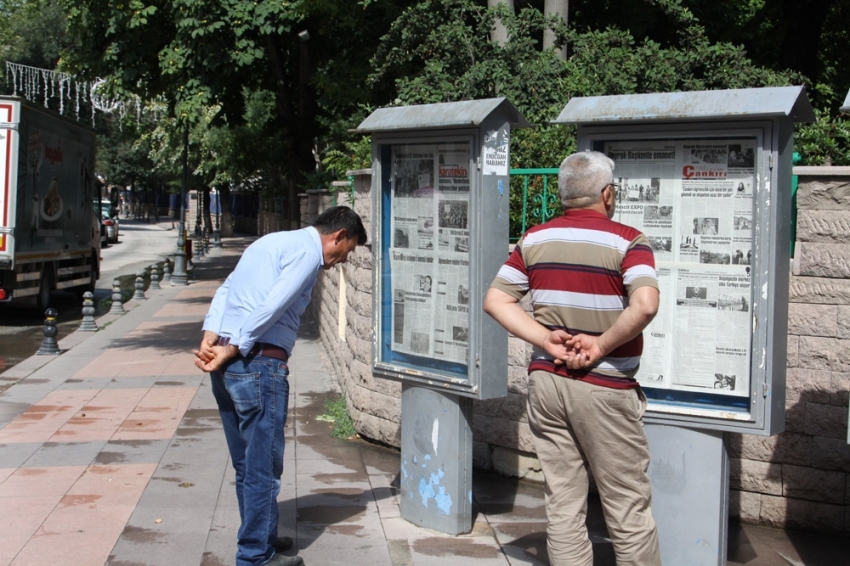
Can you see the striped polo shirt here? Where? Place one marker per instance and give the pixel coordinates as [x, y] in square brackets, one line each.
[580, 270]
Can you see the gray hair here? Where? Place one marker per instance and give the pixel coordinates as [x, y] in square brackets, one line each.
[582, 177]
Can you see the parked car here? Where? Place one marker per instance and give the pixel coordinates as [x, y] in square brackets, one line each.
[110, 227]
[109, 214]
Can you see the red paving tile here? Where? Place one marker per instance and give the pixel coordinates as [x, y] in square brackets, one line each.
[177, 310]
[81, 527]
[35, 482]
[42, 420]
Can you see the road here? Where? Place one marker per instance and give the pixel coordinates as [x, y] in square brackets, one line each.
[139, 245]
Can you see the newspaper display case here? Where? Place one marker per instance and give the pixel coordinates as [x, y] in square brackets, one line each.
[707, 177]
[440, 188]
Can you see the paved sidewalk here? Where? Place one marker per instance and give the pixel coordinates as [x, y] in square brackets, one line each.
[112, 453]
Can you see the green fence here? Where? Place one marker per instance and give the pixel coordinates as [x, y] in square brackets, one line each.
[538, 200]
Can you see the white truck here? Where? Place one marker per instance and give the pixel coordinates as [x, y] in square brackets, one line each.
[49, 235]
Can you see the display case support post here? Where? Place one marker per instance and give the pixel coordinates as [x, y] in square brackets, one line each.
[436, 459]
[689, 473]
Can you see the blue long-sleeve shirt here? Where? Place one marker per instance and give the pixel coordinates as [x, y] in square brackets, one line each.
[264, 297]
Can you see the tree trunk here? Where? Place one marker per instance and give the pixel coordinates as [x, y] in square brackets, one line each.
[559, 8]
[499, 33]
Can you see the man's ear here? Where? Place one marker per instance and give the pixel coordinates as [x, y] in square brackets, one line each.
[341, 235]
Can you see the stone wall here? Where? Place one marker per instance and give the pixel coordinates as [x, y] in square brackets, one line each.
[798, 479]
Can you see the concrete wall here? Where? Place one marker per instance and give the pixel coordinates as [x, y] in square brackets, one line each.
[798, 479]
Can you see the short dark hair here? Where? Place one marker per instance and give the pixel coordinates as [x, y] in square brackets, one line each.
[338, 218]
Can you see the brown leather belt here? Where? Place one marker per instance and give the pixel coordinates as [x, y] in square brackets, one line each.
[270, 350]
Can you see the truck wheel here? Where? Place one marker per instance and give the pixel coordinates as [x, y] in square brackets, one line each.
[45, 290]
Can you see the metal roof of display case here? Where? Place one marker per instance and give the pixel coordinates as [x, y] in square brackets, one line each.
[443, 115]
[706, 105]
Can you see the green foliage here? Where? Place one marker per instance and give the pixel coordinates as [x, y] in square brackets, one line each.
[440, 51]
[33, 32]
[336, 412]
[354, 155]
[826, 142]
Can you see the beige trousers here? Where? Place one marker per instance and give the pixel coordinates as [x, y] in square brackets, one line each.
[576, 426]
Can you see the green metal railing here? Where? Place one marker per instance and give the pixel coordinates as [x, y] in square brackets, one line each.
[546, 203]
[350, 189]
[543, 200]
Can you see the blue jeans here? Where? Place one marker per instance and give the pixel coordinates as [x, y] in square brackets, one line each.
[252, 395]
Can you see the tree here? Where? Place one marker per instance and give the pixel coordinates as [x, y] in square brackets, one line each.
[33, 32]
[441, 51]
[499, 33]
[557, 9]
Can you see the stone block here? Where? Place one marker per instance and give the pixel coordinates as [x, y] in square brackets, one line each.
[793, 348]
[840, 388]
[380, 406]
[519, 352]
[369, 426]
[823, 193]
[525, 440]
[511, 407]
[361, 303]
[827, 226]
[359, 331]
[388, 387]
[744, 506]
[819, 290]
[514, 463]
[481, 456]
[796, 382]
[795, 417]
[495, 431]
[518, 380]
[831, 354]
[807, 483]
[831, 454]
[755, 476]
[784, 448]
[826, 420]
[813, 320]
[824, 260]
[808, 385]
[801, 515]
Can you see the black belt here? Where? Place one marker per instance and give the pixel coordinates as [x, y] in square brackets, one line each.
[269, 350]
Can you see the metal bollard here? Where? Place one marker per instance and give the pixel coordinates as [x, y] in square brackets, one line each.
[48, 344]
[117, 306]
[166, 271]
[155, 278]
[139, 295]
[88, 323]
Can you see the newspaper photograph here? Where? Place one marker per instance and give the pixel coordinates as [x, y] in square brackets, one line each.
[429, 251]
[694, 202]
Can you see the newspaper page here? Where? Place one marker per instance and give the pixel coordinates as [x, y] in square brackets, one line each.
[429, 252]
[694, 200]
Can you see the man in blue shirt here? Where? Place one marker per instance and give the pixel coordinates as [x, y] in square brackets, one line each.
[249, 332]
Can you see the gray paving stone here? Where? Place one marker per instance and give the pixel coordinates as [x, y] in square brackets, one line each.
[66, 454]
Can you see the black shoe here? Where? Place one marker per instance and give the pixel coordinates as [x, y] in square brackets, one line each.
[282, 544]
[281, 560]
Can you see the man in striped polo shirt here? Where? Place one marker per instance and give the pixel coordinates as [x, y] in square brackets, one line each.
[593, 290]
